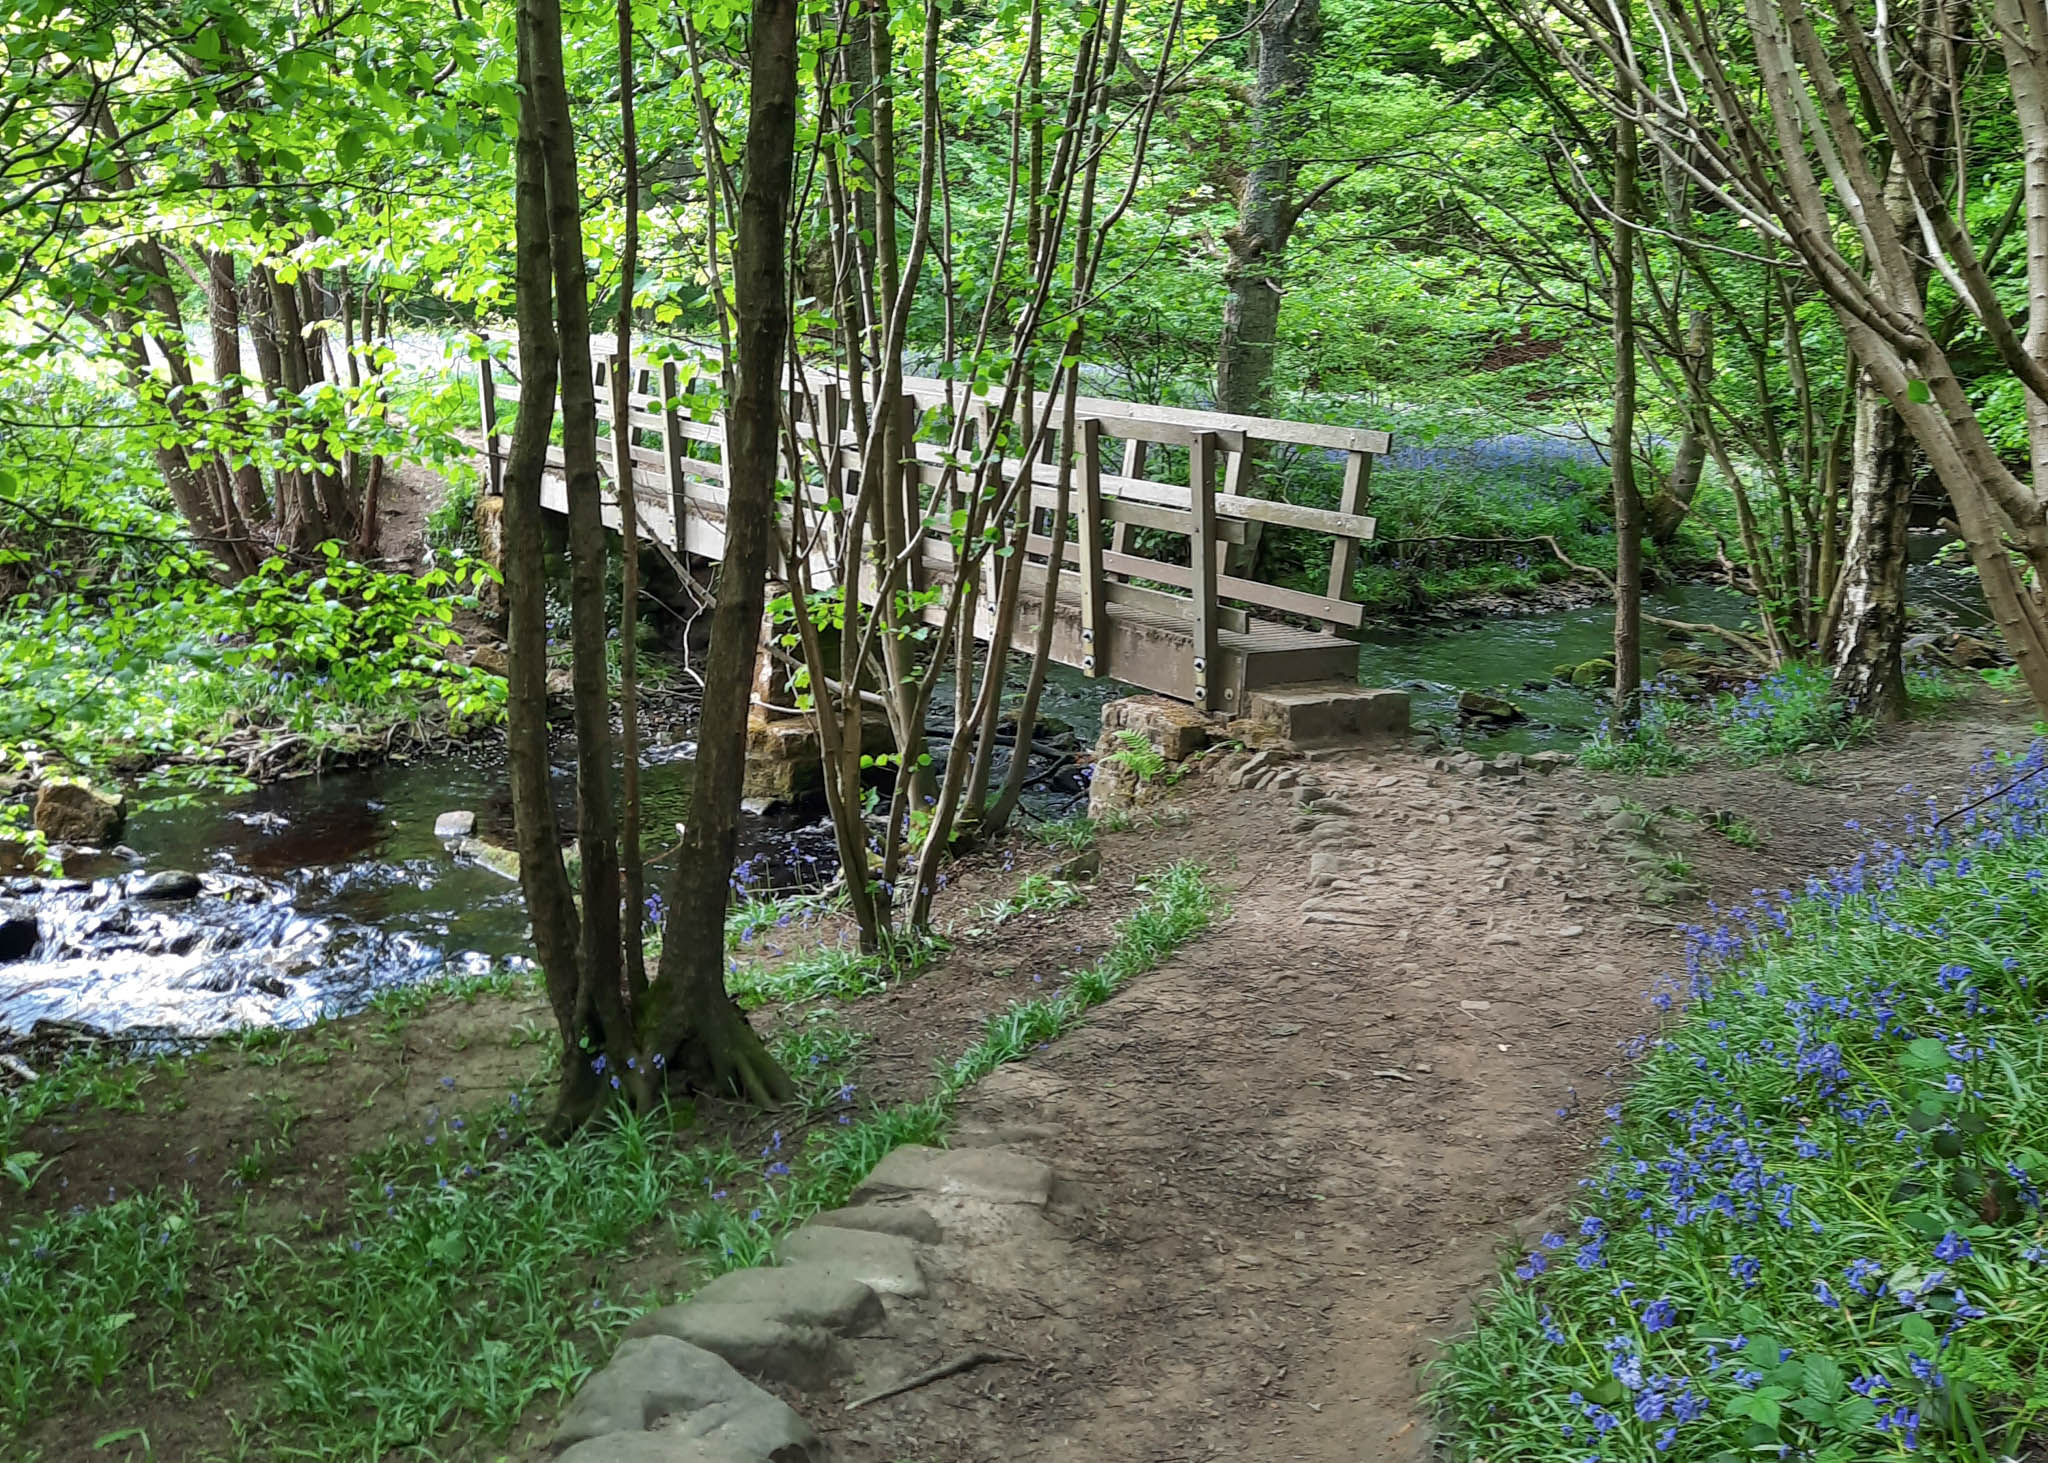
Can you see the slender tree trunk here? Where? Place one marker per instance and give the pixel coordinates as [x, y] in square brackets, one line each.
[632, 870]
[1667, 511]
[589, 553]
[692, 1020]
[1869, 628]
[1628, 501]
[542, 876]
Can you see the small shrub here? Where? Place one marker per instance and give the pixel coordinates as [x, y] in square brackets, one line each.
[1650, 748]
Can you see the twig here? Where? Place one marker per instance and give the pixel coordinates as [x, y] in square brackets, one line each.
[18, 1067]
[1996, 792]
[964, 1362]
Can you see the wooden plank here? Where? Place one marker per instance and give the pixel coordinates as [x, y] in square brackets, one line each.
[1123, 513]
[1202, 560]
[1295, 515]
[1088, 515]
[1228, 586]
[672, 450]
[1351, 498]
[494, 454]
[1226, 425]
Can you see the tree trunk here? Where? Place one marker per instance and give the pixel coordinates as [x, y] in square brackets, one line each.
[1254, 277]
[632, 872]
[543, 879]
[1869, 674]
[1628, 501]
[693, 1023]
[1668, 509]
[589, 627]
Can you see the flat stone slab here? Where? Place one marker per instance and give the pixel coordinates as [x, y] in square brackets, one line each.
[911, 1221]
[664, 1446]
[992, 1175]
[693, 1396]
[777, 1323]
[1328, 714]
[885, 1263]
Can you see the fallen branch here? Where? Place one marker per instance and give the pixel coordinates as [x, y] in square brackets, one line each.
[962, 1363]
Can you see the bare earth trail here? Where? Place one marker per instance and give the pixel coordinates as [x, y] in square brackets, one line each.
[1287, 1159]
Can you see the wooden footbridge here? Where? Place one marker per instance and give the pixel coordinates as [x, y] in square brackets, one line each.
[1183, 625]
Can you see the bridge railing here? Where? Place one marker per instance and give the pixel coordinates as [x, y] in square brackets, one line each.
[677, 448]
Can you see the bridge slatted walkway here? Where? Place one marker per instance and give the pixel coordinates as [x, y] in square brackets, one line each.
[1192, 630]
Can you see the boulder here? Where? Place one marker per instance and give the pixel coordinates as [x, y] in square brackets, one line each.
[885, 1263]
[19, 933]
[167, 885]
[458, 824]
[1548, 762]
[1588, 674]
[1479, 706]
[776, 1323]
[71, 812]
[1967, 652]
[907, 1220]
[490, 659]
[679, 1394]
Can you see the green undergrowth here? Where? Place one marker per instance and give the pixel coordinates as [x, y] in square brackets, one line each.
[1817, 1229]
[1786, 717]
[473, 1271]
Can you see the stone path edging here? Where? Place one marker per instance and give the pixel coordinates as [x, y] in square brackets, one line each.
[851, 1294]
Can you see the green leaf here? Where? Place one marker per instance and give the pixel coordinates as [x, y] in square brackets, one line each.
[1824, 1378]
[1919, 395]
[1924, 1054]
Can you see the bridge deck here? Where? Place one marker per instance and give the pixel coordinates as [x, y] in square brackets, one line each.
[1189, 629]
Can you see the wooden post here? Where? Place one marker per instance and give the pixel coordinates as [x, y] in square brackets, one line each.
[494, 454]
[1238, 480]
[1202, 546]
[1134, 467]
[1344, 553]
[672, 455]
[1094, 624]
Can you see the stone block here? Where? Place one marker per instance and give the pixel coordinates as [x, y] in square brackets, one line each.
[664, 1445]
[1331, 713]
[690, 1395]
[907, 1220]
[457, 824]
[991, 1175]
[1175, 728]
[885, 1263]
[778, 1323]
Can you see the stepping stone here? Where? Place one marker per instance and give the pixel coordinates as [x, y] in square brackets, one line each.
[668, 1447]
[992, 1175]
[885, 1263]
[907, 1220]
[777, 1323]
[694, 1397]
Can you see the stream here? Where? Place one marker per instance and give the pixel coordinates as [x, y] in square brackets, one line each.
[316, 893]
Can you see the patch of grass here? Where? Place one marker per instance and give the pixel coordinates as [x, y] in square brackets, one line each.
[1817, 1232]
[1035, 893]
[89, 1076]
[1791, 710]
[1075, 833]
[831, 972]
[753, 915]
[1649, 748]
[1931, 690]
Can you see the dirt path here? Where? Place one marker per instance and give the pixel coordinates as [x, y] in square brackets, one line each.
[1287, 1159]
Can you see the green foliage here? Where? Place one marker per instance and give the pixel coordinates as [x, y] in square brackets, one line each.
[176, 667]
[1793, 709]
[1075, 833]
[1817, 1227]
[1136, 754]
